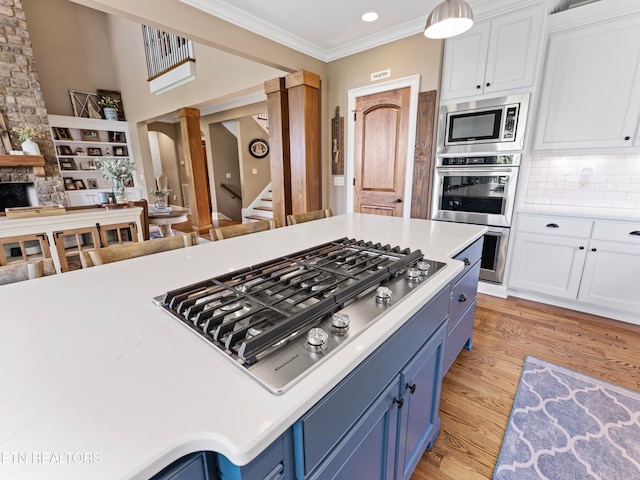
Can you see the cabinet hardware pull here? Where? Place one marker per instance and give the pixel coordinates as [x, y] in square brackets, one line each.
[627, 138]
[467, 262]
[635, 232]
[400, 402]
[398, 200]
[462, 298]
[553, 225]
[594, 249]
[488, 84]
[410, 387]
[478, 87]
[581, 247]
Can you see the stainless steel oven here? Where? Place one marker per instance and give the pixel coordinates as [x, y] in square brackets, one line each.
[478, 190]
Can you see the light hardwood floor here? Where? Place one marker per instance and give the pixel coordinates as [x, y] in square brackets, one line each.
[478, 390]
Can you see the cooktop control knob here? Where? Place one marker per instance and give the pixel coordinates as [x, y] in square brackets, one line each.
[317, 340]
[423, 267]
[413, 274]
[340, 323]
[383, 295]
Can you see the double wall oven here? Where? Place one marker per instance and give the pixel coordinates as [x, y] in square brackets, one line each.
[479, 152]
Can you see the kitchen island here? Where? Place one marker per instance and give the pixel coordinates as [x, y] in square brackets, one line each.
[99, 383]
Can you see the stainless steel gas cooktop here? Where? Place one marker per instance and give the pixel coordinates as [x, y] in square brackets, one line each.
[282, 318]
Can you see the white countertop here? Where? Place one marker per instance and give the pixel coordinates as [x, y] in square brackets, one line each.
[99, 383]
[591, 213]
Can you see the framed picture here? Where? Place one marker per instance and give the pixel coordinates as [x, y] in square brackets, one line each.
[85, 104]
[120, 151]
[68, 164]
[94, 151]
[89, 135]
[258, 148]
[92, 183]
[128, 182]
[69, 184]
[64, 150]
[79, 184]
[62, 133]
[117, 137]
[115, 96]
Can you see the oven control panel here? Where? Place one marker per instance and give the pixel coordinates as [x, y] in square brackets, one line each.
[480, 160]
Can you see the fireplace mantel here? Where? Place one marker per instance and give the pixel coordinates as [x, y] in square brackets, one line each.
[35, 161]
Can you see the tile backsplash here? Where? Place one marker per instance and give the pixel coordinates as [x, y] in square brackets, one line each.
[603, 181]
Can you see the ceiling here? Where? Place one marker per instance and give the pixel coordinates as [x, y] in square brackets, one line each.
[329, 29]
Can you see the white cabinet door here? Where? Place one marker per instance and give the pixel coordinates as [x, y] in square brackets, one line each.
[494, 56]
[612, 276]
[465, 60]
[548, 265]
[514, 47]
[591, 91]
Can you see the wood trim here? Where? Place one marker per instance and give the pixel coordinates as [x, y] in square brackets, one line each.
[279, 148]
[423, 156]
[22, 161]
[196, 167]
[304, 130]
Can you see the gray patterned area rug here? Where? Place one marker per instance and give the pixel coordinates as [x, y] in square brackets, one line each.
[565, 425]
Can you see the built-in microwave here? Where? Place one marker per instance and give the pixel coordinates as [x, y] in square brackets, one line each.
[484, 126]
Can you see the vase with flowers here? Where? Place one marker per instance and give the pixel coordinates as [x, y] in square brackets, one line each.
[117, 170]
[109, 107]
[161, 195]
[26, 135]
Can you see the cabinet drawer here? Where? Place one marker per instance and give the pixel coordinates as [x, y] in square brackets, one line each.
[458, 336]
[332, 417]
[628, 232]
[463, 293]
[548, 225]
[470, 256]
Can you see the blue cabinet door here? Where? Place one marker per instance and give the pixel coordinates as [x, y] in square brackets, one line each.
[368, 451]
[421, 387]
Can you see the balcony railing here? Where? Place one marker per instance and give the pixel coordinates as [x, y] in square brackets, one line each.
[165, 51]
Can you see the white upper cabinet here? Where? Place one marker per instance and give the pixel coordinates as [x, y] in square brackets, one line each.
[590, 98]
[494, 56]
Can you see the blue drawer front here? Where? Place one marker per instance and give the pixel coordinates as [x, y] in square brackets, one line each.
[470, 256]
[463, 293]
[459, 334]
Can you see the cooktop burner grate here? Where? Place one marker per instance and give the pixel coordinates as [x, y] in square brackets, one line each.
[253, 313]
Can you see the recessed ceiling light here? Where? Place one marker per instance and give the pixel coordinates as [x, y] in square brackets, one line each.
[369, 17]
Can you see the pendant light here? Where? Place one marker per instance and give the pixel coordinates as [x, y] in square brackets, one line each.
[450, 18]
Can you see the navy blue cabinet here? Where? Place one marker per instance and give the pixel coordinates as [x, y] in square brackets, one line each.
[377, 423]
[463, 303]
[196, 466]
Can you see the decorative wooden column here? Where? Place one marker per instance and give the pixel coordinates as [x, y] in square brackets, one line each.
[303, 89]
[278, 104]
[196, 166]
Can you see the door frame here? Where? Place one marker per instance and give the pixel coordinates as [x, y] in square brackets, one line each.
[414, 83]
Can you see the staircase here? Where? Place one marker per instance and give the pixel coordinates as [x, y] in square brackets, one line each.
[260, 209]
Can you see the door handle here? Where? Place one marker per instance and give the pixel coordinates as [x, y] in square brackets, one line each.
[398, 200]
[553, 225]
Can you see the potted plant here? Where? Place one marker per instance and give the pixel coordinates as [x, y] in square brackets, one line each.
[161, 197]
[117, 170]
[109, 107]
[26, 135]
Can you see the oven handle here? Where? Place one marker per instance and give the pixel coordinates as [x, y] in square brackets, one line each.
[470, 171]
